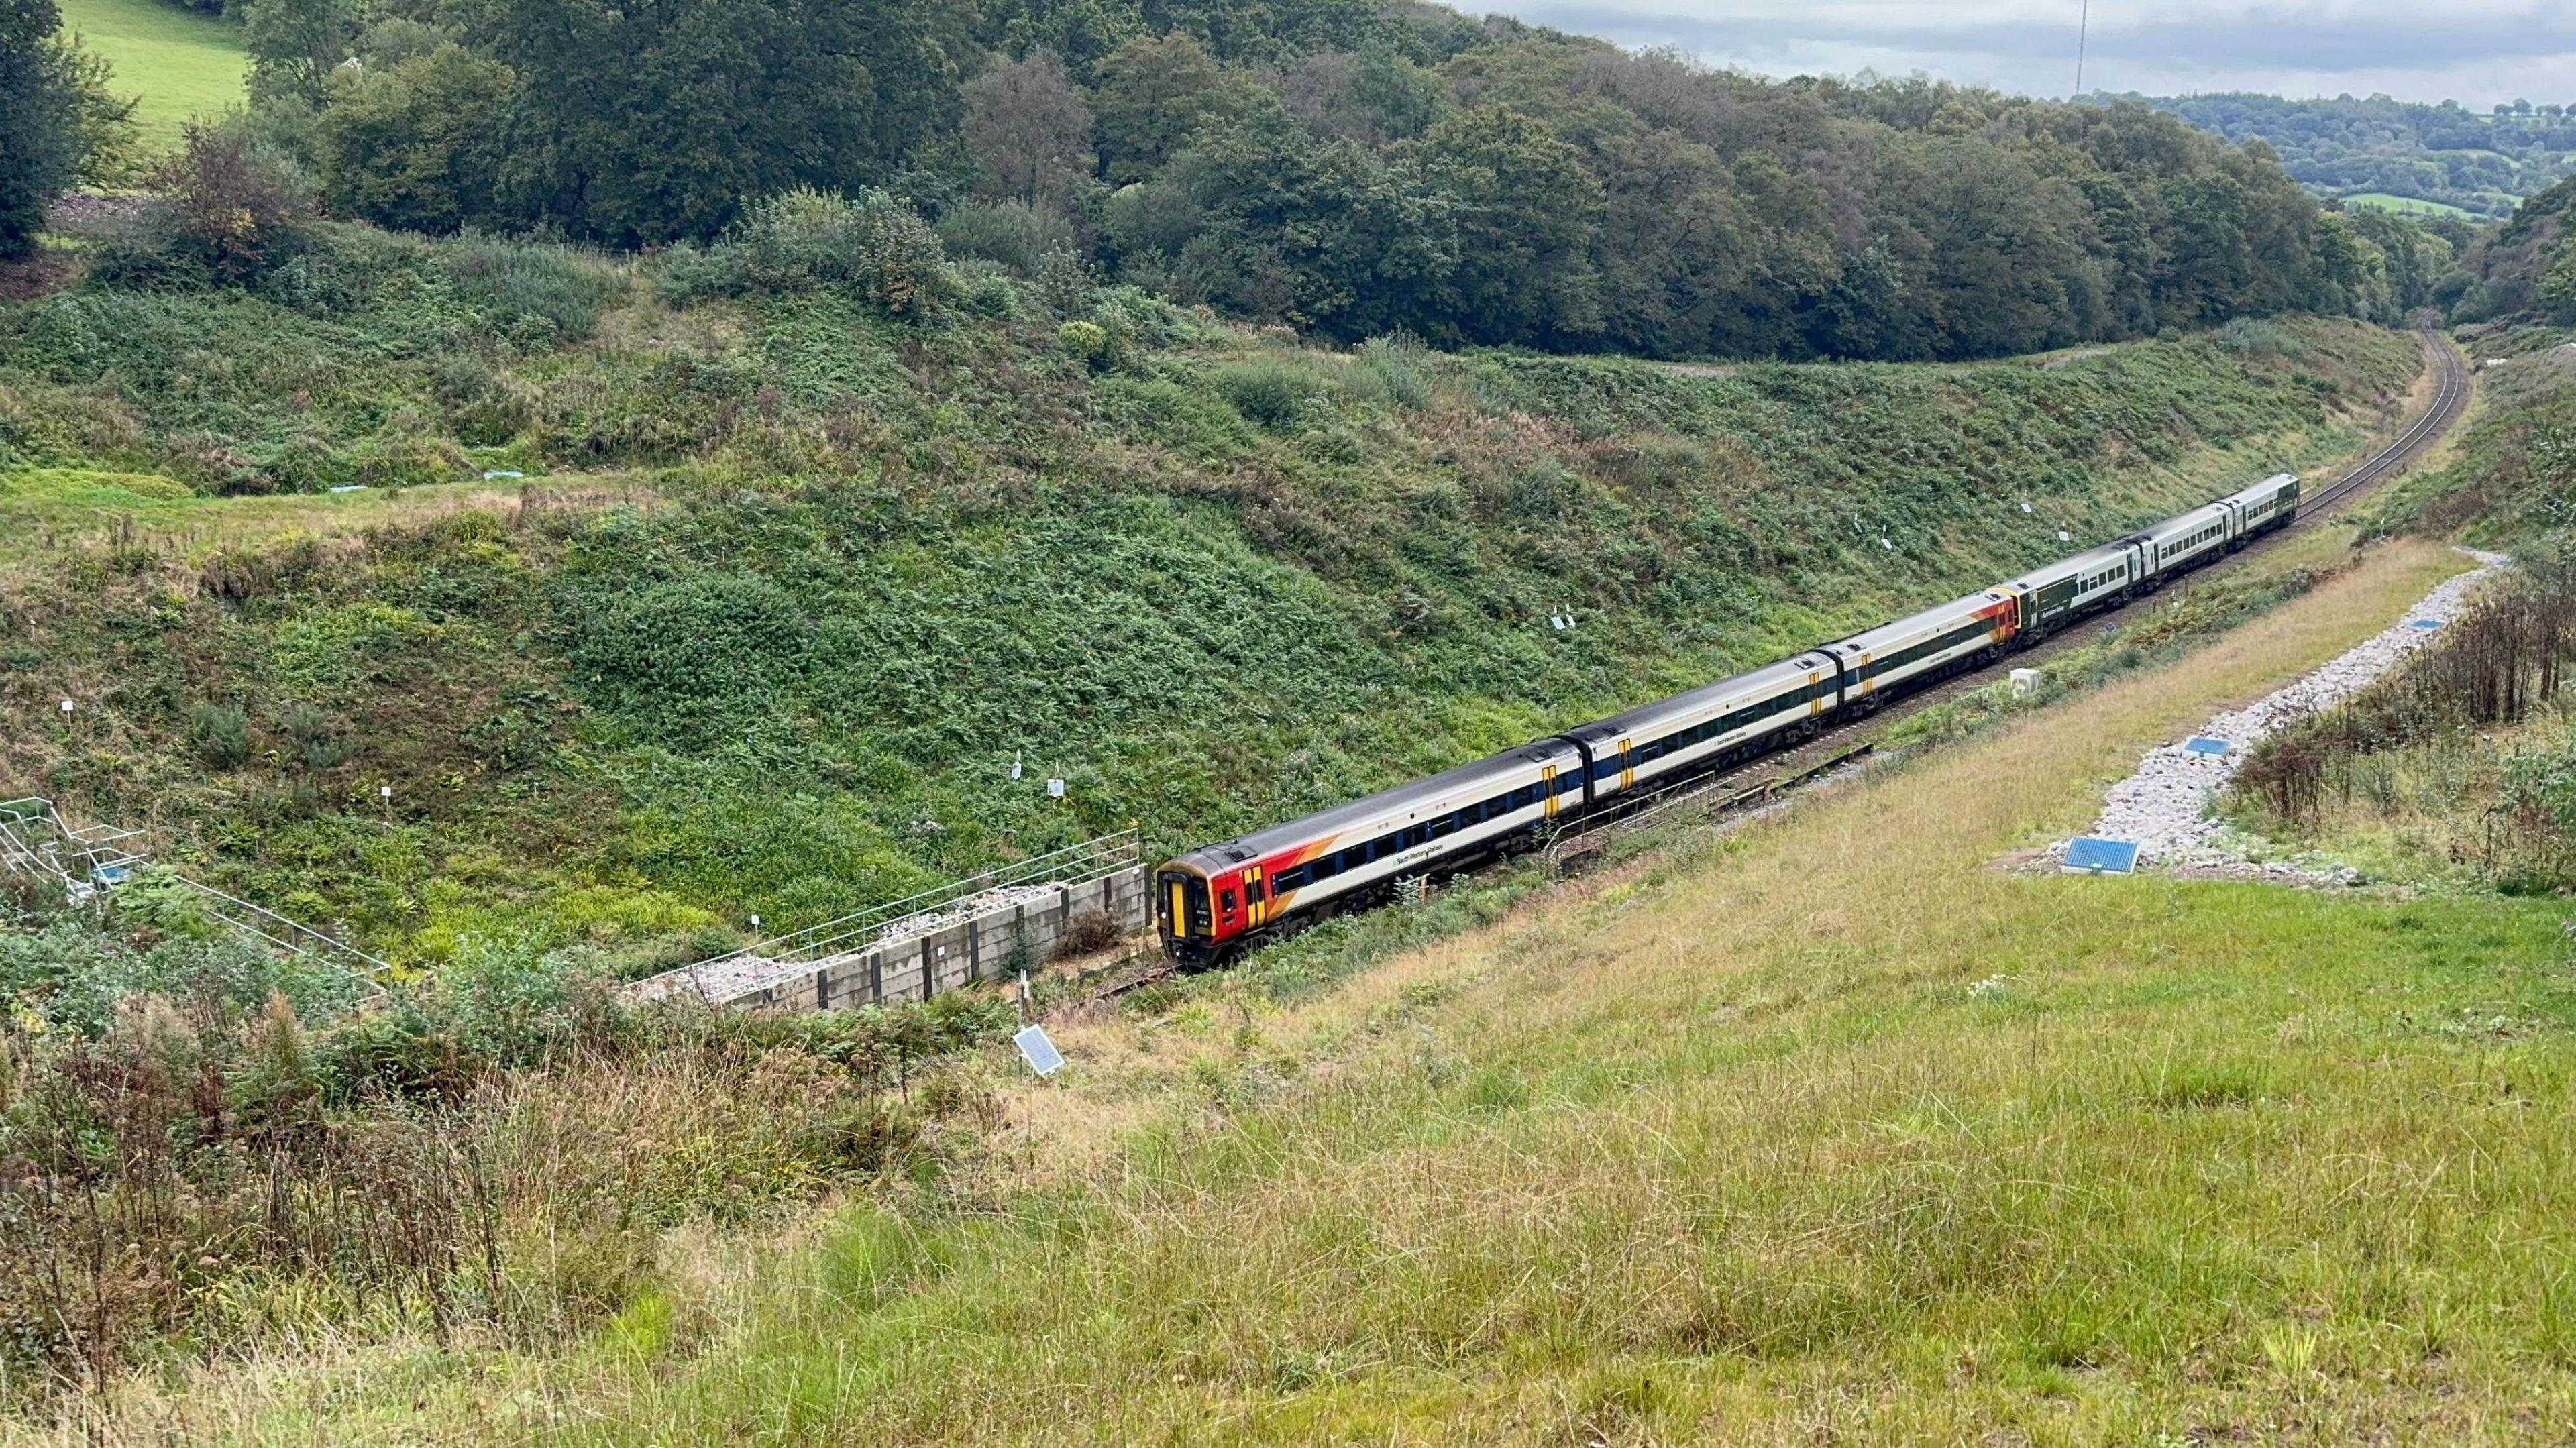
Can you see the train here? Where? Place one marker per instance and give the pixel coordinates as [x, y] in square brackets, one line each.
[1217, 901]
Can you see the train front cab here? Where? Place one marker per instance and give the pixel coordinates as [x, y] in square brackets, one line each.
[1185, 912]
[1205, 918]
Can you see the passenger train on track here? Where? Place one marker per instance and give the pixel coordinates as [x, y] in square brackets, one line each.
[1213, 903]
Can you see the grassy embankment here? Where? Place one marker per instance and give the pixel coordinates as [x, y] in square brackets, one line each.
[1831, 1127]
[793, 584]
[186, 65]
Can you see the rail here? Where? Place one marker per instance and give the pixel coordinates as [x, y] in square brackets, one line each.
[1652, 806]
[2449, 399]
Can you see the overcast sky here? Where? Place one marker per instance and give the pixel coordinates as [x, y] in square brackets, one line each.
[2477, 52]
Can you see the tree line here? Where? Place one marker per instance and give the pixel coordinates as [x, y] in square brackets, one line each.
[1351, 167]
[2446, 153]
[61, 121]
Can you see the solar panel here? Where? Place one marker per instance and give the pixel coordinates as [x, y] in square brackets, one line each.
[2086, 855]
[1042, 1055]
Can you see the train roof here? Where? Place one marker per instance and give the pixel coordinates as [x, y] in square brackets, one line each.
[2185, 522]
[1510, 762]
[1757, 681]
[1947, 614]
[2084, 562]
[2263, 488]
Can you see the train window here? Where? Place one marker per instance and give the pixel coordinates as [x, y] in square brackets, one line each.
[1287, 880]
[1445, 825]
[1225, 902]
[1523, 796]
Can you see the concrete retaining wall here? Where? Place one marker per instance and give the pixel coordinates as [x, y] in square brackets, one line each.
[989, 946]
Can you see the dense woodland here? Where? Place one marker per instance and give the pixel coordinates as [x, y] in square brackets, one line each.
[1347, 166]
[2482, 163]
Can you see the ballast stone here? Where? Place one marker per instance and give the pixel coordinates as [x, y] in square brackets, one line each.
[2164, 807]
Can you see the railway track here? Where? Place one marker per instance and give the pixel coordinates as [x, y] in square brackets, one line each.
[1765, 779]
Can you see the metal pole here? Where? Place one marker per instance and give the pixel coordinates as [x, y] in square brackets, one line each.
[2083, 24]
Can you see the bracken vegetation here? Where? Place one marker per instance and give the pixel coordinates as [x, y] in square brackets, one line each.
[2448, 737]
[206, 1150]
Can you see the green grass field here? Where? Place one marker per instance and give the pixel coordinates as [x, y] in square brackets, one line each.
[2412, 205]
[183, 63]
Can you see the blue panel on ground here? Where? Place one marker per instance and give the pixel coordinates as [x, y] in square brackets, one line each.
[2426, 624]
[2089, 856]
[2204, 744]
[1042, 1055]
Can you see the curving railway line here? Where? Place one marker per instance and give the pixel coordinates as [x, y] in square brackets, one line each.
[2451, 397]
[1794, 718]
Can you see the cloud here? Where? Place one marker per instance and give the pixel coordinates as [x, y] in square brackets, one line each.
[2477, 52]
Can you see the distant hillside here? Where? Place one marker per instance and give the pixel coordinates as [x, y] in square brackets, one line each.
[2482, 164]
[184, 63]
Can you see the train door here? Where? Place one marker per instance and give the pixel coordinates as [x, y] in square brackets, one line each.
[1547, 790]
[1627, 767]
[1183, 906]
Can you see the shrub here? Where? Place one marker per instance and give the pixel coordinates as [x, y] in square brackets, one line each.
[1088, 933]
[1274, 392]
[1014, 233]
[231, 214]
[407, 461]
[876, 246]
[514, 280]
[686, 272]
[221, 733]
[1090, 344]
[1395, 369]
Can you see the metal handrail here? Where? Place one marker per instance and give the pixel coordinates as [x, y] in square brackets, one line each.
[104, 861]
[1070, 866]
[291, 927]
[1089, 860]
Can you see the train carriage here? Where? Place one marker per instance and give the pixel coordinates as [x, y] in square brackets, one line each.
[2050, 598]
[1207, 902]
[2269, 504]
[1711, 727]
[1213, 901]
[1926, 646]
[2180, 544]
